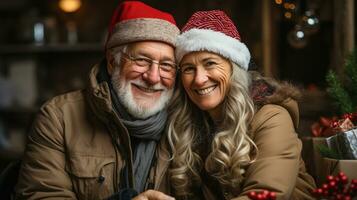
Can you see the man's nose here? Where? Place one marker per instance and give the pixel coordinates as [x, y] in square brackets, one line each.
[152, 76]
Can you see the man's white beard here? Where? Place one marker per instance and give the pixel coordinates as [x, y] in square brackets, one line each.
[136, 109]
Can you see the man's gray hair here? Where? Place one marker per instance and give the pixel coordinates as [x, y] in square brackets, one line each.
[116, 52]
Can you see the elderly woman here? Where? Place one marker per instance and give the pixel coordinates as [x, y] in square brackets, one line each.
[231, 132]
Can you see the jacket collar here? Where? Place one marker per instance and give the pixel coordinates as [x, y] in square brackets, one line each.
[98, 94]
[283, 94]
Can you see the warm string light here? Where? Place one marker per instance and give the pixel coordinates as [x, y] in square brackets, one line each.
[70, 5]
[288, 15]
[279, 1]
[306, 23]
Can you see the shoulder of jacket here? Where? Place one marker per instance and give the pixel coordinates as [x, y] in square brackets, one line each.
[58, 102]
[267, 112]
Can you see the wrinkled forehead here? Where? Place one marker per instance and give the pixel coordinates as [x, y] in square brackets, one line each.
[152, 49]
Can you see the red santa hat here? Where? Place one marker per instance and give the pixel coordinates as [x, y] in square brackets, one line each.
[135, 21]
[215, 32]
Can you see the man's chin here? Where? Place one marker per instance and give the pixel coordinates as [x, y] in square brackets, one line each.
[145, 109]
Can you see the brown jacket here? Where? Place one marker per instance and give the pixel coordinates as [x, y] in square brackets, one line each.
[279, 166]
[77, 149]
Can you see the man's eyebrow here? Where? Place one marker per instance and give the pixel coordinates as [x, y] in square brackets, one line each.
[167, 58]
[139, 53]
[164, 58]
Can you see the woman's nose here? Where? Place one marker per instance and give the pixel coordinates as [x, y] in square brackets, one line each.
[200, 77]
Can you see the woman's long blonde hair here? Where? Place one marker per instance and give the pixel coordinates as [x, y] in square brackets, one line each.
[231, 147]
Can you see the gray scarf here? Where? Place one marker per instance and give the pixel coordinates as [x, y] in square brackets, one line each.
[146, 132]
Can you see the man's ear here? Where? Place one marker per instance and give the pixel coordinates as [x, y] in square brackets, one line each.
[110, 61]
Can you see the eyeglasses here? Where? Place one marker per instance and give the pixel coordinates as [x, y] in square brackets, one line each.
[167, 69]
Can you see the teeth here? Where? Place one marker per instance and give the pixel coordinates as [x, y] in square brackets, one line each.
[206, 90]
[147, 89]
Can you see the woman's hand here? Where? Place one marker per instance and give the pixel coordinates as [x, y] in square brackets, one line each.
[153, 195]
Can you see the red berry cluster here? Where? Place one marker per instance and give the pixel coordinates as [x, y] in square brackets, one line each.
[351, 116]
[264, 195]
[337, 188]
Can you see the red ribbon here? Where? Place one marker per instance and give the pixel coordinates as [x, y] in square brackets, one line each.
[326, 126]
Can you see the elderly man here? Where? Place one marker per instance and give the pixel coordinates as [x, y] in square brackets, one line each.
[106, 141]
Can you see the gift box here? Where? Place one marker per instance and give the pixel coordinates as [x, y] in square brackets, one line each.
[312, 156]
[334, 166]
[344, 144]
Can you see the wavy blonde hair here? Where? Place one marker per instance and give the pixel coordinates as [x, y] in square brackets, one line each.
[231, 147]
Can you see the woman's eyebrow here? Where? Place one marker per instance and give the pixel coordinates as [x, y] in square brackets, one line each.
[209, 58]
[186, 64]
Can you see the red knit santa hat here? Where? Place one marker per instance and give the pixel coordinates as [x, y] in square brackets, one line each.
[215, 32]
[135, 21]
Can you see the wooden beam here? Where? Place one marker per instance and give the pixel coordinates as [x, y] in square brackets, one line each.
[268, 46]
[343, 33]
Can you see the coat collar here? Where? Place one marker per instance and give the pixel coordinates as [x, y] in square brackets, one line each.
[264, 92]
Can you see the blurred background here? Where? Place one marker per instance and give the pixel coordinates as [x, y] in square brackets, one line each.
[48, 46]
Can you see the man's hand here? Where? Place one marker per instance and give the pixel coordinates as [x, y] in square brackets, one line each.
[153, 195]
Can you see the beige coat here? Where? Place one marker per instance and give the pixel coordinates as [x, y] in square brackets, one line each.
[77, 149]
[279, 166]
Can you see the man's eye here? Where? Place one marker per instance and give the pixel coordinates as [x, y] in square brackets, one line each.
[167, 66]
[142, 61]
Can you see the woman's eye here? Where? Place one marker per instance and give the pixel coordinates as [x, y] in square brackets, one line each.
[210, 63]
[188, 70]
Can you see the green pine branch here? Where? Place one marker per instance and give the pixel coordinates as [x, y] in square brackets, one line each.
[338, 93]
[328, 153]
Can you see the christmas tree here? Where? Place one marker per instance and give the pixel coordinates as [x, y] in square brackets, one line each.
[344, 92]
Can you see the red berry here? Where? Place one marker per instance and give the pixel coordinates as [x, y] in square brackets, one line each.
[330, 178]
[325, 193]
[325, 187]
[332, 184]
[344, 179]
[345, 190]
[314, 192]
[260, 197]
[252, 195]
[272, 195]
[347, 197]
[265, 193]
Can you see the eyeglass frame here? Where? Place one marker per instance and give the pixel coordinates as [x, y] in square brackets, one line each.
[150, 63]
